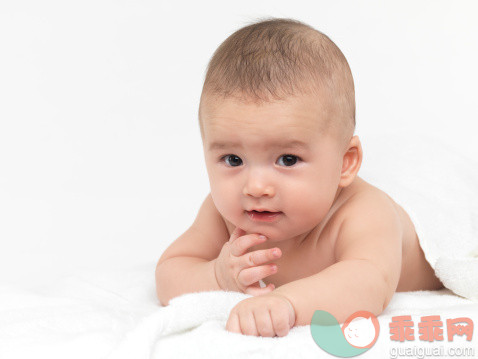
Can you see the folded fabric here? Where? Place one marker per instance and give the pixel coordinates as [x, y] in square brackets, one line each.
[193, 326]
[437, 185]
[106, 313]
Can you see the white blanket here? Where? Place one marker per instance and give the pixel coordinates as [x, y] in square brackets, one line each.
[437, 185]
[115, 314]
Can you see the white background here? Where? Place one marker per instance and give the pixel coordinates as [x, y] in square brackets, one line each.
[101, 161]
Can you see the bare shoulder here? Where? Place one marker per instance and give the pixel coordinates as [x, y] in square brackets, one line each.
[367, 204]
[368, 222]
[371, 232]
[373, 218]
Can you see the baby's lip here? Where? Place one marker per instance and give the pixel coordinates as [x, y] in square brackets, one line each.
[262, 210]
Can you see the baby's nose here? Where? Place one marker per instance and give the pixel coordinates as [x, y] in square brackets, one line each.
[258, 188]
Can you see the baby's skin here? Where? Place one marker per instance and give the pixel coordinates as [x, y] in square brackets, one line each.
[336, 242]
[277, 264]
[291, 267]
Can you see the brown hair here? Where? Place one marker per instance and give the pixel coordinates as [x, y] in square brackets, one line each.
[275, 58]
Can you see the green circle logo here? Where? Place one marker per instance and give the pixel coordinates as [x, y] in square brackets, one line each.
[357, 335]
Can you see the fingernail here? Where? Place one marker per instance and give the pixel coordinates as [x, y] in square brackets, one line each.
[262, 237]
[274, 267]
[275, 252]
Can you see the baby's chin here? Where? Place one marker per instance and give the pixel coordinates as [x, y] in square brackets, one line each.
[275, 236]
[271, 235]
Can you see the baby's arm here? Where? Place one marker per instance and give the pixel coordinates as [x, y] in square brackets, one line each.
[206, 258]
[187, 265]
[368, 252]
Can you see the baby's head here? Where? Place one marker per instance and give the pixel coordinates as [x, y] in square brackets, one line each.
[277, 118]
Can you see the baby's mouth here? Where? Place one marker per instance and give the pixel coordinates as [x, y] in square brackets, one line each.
[266, 216]
[263, 212]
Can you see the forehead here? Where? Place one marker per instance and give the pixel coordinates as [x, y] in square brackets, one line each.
[296, 119]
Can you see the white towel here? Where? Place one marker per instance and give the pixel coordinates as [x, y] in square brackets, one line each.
[193, 326]
[106, 313]
[437, 185]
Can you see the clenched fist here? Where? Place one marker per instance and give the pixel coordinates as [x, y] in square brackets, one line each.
[238, 270]
[267, 315]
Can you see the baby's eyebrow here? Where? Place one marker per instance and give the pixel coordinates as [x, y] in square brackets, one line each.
[217, 145]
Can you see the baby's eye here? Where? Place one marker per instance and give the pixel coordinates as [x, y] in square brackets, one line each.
[289, 160]
[234, 160]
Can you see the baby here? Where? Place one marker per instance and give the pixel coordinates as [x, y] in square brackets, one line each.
[286, 207]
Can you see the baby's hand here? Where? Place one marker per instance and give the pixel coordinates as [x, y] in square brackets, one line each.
[237, 270]
[266, 315]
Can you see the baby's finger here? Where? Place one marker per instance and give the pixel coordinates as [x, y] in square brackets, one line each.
[248, 324]
[251, 275]
[238, 232]
[242, 244]
[257, 290]
[232, 324]
[264, 322]
[261, 256]
[281, 322]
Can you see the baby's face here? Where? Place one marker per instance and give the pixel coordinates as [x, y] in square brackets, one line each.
[272, 157]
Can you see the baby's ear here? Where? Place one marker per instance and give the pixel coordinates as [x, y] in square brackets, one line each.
[351, 161]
